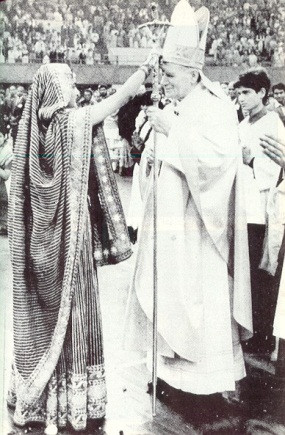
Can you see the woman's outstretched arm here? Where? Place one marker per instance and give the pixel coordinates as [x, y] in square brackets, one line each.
[129, 89]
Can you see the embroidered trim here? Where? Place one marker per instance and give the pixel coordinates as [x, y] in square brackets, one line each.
[68, 398]
[30, 390]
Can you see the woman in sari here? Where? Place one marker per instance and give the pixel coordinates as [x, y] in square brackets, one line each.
[65, 219]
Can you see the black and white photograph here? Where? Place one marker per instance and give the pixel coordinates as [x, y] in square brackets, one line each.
[142, 217]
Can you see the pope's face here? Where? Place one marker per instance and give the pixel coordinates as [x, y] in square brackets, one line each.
[176, 80]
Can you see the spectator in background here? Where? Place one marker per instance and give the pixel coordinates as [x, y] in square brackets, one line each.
[252, 59]
[233, 97]
[5, 170]
[40, 49]
[25, 54]
[279, 95]
[103, 93]
[4, 113]
[87, 98]
[17, 110]
[89, 57]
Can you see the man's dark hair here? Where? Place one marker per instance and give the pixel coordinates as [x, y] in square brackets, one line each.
[280, 86]
[256, 79]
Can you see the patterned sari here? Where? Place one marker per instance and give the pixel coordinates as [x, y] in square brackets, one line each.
[65, 218]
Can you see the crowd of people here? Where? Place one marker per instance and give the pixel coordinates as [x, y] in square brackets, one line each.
[247, 32]
[241, 33]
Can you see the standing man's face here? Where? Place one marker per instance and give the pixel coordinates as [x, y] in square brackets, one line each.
[249, 99]
[232, 91]
[103, 92]
[279, 95]
[176, 80]
[20, 91]
[87, 96]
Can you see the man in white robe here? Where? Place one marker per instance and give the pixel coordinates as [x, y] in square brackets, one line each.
[274, 148]
[204, 302]
[260, 176]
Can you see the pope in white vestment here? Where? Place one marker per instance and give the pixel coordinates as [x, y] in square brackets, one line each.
[204, 302]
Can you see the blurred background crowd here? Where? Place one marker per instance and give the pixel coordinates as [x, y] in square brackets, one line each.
[241, 32]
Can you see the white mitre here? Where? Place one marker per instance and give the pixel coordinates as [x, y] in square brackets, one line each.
[186, 39]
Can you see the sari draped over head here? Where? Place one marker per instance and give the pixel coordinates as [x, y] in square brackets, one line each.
[65, 217]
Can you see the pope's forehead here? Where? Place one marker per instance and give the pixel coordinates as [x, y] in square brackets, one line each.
[166, 66]
[172, 67]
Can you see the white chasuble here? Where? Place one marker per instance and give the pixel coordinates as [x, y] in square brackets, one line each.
[199, 302]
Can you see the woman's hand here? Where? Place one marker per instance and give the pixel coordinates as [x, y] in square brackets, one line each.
[158, 120]
[152, 59]
[274, 148]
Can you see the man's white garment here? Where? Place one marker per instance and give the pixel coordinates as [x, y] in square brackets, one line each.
[277, 220]
[199, 212]
[265, 172]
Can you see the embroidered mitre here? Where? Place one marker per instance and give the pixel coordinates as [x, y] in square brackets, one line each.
[186, 39]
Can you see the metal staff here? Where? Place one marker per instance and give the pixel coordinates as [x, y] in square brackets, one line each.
[156, 25]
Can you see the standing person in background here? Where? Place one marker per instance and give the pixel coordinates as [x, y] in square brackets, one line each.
[202, 255]
[5, 171]
[274, 148]
[103, 93]
[65, 214]
[279, 95]
[233, 97]
[260, 175]
[4, 113]
[86, 100]
[17, 110]
[142, 141]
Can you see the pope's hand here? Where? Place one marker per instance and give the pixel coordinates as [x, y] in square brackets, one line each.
[158, 120]
[246, 155]
[274, 148]
[149, 153]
